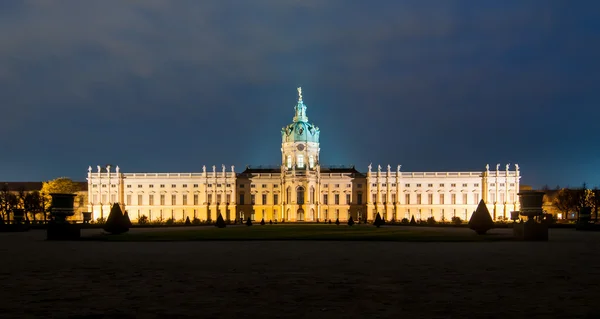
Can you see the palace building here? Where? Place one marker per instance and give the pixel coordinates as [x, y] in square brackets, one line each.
[301, 189]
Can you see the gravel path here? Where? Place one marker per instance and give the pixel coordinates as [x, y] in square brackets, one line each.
[299, 279]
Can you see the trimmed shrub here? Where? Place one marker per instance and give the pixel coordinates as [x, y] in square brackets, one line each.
[456, 220]
[270, 222]
[412, 220]
[481, 220]
[378, 221]
[196, 221]
[126, 216]
[330, 222]
[170, 221]
[337, 221]
[116, 223]
[350, 221]
[220, 222]
[187, 221]
[431, 221]
[262, 222]
[143, 220]
[248, 222]
[404, 221]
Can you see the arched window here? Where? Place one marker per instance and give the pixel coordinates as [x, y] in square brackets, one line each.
[289, 161]
[312, 195]
[311, 162]
[288, 197]
[300, 195]
[300, 161]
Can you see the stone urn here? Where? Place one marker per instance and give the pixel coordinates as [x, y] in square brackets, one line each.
[18, 215]
[62, 207]
[87, 217]
[531, 207]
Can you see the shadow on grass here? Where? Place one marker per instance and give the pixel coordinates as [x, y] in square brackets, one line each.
[304, 233]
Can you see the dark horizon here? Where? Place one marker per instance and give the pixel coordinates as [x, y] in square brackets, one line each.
[171, 86]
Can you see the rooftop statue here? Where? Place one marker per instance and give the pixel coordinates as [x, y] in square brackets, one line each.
[299, 94]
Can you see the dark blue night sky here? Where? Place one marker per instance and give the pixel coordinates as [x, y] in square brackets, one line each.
[169, 86]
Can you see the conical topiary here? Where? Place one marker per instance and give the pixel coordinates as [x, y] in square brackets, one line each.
[412, 220]
[481, 220]
[270, 222]
[337, 221]
[126, 216]
[378, 222]
[220, 222]
[248, 222]
[116, 222]
[187, 221]
[350, 221]
[262, 221]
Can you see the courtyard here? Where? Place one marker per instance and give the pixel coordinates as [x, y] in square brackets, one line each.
[298, 279]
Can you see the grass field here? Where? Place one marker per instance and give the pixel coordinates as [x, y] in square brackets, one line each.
[307, 232]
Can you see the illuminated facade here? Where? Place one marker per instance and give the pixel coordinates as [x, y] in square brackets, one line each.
[301, 189]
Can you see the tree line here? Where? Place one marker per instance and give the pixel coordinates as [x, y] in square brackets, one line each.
[570, 200]
[34, 203]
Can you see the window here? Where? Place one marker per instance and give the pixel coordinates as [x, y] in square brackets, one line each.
[336, 197]
[442, 199]
[493, 197]
[184, 185]
[312, 195]
[150, 199]
[358, 185]
[359, 199]
[476, 185]
[218, 198]
[228, 185]
[325, 185]
[104, 198]
[512, 184]
[275, 186]
[195, 185]
[162, 199]
[173, 185]
[113, 198]
[209, 199]
[218, 185]
[383, 197]
[374, 199]
[264, 185]
[476, 198]
[162, 185]
[374, 185]
[173, 199]
[501, 197]
[465, 199]
[324, 199]
[493, 184]
[441, 185]
[140, 200]
[209, 185]
[228, 198]
[241, 185]
[383, 185]
[452, 185]
[128, 186]
[418, 185]
[336, 185]
[300, 195]
[195, 199]
[394, 185]
[252, 199]
[512, 197]
[393, 198]
[241, 201]
[429, 199]
[453, 199]
[429, 185]
[464, 185]
[406, 185]
[418, 199]
[139, 186]
[252, 186]
[264, 199]
[151, 186]
[275, 199]
[128, 200]
[289, 161]
[184, 199]
[501, 184]
[407, 199]
[348, 199]
[311, 161]
[300, 161]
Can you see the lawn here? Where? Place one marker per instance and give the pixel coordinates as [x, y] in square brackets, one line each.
[306, 232]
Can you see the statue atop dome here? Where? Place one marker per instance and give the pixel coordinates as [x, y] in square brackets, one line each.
[299, 93]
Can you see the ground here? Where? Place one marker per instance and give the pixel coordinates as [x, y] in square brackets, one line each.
[298, 279]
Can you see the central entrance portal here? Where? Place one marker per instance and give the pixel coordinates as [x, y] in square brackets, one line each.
[300, 215]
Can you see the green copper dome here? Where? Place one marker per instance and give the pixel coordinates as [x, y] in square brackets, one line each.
[300, 130]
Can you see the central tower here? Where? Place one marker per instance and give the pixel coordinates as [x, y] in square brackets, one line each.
[300, 141]
[300, 169]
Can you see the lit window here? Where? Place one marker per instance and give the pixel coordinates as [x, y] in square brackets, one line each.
[300, 161]
[289, 161]
[311, 161]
